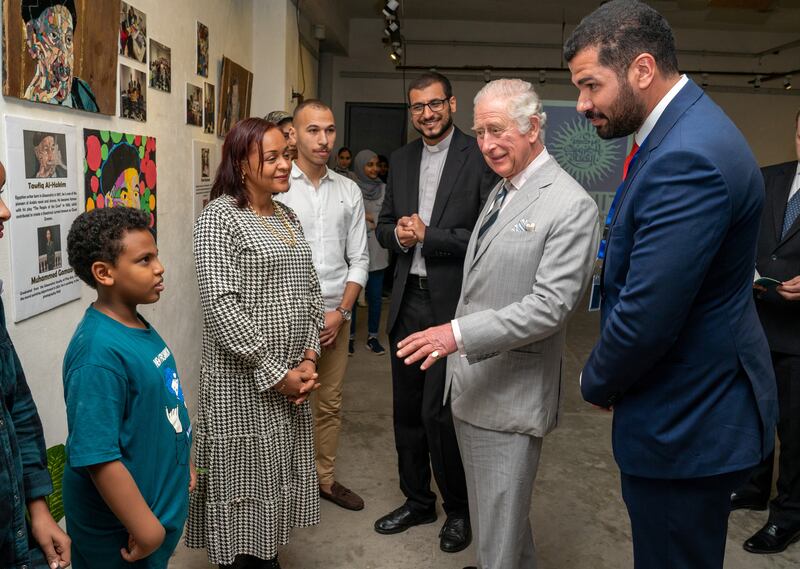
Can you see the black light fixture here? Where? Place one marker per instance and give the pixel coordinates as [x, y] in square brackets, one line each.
[757, 82]
[542, 76]
[705, 80]
[787, 82]
[390, 9]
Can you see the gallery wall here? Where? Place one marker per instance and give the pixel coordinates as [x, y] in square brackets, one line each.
[367, 75]
[238, 29]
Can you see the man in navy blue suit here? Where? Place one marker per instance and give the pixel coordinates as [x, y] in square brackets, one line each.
[682, 359]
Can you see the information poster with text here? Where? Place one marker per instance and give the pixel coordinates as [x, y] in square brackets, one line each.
[42, 193]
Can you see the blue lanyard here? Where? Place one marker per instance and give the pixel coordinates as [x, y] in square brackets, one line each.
[601, 252]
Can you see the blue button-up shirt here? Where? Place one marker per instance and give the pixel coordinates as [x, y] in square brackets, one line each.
[23, 457]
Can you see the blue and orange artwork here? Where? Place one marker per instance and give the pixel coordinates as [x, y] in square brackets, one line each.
[120, 171]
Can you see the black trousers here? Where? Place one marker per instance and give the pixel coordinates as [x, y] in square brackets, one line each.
[423, 427]
[680, 523]
[784, 510]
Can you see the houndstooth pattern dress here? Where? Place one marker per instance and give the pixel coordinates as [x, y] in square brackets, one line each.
[262, 307]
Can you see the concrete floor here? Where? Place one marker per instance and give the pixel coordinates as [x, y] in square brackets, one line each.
[579, 519]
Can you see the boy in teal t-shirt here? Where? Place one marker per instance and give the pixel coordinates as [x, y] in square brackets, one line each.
[128, 474]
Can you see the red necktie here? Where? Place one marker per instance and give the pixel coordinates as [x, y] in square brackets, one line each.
[628, 160]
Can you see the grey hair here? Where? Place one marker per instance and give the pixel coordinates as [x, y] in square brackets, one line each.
[523, 102]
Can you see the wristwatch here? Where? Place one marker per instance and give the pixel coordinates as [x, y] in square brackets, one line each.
[346, 314]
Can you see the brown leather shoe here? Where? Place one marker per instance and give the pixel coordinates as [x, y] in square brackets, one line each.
[342, 496]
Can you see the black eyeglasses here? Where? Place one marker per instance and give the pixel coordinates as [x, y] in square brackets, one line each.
[435, 106]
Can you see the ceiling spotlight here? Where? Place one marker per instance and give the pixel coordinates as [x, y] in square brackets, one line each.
[787, 82]
[390, 10]
[396, 55]
[542, 76]
[487, 75]
[705, 80]
[757, 82]
[391, 27]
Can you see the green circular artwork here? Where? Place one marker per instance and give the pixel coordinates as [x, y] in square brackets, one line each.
[578, 149]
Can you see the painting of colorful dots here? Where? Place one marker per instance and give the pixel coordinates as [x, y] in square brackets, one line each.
[120, 171]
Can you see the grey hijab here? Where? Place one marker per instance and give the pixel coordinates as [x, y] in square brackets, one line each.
[370, 189]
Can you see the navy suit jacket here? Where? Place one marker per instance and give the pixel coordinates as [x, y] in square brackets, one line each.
[682, 356]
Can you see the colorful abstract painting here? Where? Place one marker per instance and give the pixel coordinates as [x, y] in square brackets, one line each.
[120, 170]
[55, 52]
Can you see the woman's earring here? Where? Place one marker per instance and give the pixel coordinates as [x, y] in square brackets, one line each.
[243, 177]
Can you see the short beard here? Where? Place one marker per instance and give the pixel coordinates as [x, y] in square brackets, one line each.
[625, 117]
[443, 130]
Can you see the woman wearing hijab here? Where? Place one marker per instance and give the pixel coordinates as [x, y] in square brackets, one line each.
[372, 190]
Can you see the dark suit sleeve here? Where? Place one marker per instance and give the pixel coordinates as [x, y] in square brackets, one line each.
[676, 239]
[453, 242]
[387, 220]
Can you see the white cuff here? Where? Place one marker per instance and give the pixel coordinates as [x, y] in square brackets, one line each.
[396, 238]
[457, 336]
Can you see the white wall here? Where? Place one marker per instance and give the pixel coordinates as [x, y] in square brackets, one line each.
[42, 340]
[367, 75]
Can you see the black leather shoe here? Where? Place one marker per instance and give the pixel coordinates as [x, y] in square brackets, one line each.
[456, 534]
[772, 539]
[742, 501]
[403, 518]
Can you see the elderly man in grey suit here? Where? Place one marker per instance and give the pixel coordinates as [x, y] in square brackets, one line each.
[526, 268]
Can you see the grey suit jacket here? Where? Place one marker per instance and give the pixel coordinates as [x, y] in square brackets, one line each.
[519, 289]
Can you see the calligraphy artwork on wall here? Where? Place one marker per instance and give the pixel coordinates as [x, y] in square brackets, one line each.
[120, 170]
[53, 53]
[236, 90]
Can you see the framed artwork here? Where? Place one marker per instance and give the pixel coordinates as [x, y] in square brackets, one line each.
[202, 49]
[132, 93]
[132, 33]
[50, 53]
[236, 90]
[208, 108]
[194, 105]
[160, 66]
[120, 170]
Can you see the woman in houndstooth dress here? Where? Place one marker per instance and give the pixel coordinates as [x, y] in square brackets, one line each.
[262, 312]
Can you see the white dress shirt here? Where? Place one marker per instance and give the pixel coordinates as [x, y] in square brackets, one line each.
[512, 187]
[651, 120]
[430, 174]
[332, 217]
[796, 182]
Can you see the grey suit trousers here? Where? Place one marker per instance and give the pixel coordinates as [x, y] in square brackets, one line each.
[500, 468]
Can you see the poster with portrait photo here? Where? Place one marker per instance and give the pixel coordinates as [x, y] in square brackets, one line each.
[205, 159]
[132, 93]
[208, 108]
[44, 154]
[49, 239]
[42, 193]
[235, 91]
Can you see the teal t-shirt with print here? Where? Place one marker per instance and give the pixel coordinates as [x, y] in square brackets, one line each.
[124, 402]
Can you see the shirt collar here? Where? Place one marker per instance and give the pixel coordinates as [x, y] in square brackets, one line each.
[655, 114]
[298, 173]
[519, 180]
[440, 146]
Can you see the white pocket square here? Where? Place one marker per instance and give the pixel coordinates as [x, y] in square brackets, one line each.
[524, 225]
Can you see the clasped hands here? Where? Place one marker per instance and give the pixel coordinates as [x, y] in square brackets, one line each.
[298, 383]
[410, 230]
[432, 344]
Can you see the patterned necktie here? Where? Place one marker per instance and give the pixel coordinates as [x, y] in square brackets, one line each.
[630, 156]
[792, 212]
[494, 211]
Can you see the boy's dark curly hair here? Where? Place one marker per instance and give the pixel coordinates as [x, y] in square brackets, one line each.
[97, 236]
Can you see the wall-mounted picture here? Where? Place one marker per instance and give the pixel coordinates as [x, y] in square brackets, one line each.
[208, 108]
[120, 171]
[160, 66]
[235, 91]
[49, 239]
[132, 93]
[202, 49]
[132, 33]
[47, 53]
[45, 154]
[194, 105]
